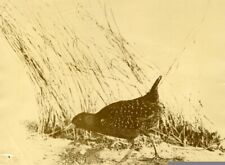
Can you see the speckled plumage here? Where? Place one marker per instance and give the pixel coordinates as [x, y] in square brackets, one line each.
[124, 119]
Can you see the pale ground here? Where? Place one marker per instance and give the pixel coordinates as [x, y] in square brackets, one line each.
[165, 34]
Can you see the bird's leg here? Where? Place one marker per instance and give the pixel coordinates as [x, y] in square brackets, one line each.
[74, 135]
[156, 153]
[131, 148]
[153, 143]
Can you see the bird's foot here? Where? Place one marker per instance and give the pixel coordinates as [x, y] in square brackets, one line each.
[155, 158]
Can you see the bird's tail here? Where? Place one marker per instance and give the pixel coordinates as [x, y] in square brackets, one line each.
[153, 95]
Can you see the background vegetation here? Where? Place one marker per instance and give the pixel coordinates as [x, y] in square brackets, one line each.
[79, 61]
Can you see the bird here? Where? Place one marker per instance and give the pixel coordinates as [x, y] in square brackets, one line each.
[126, 119]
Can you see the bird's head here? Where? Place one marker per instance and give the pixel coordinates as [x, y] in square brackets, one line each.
[82, 120]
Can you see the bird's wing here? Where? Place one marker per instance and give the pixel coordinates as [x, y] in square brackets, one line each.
[119, 115]
[130, 114]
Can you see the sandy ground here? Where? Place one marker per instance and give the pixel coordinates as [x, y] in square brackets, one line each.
[27, 148]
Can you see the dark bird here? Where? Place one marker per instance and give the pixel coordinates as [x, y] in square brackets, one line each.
[125, 119]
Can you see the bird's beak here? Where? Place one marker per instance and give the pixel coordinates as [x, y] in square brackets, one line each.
[70, 126]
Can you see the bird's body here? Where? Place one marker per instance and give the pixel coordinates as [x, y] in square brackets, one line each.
[124, 119]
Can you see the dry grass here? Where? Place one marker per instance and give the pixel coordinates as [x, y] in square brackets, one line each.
[83, 65]
[72, 69]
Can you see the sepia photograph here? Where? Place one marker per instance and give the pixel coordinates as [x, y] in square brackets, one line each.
[112, 82]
